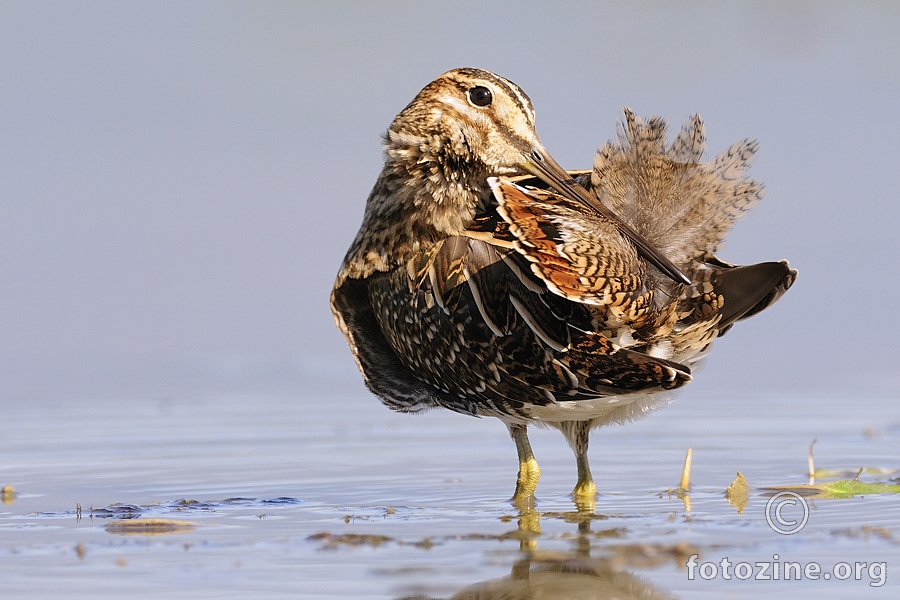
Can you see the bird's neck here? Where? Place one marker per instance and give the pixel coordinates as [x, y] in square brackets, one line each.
[424, 194]
[436, 179]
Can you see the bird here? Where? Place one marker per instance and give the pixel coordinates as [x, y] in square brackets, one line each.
[487, 280]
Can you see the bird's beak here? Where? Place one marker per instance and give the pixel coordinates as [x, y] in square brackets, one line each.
[539, 163]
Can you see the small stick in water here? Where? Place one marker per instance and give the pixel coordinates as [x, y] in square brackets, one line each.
[812, 467]
[686, 470]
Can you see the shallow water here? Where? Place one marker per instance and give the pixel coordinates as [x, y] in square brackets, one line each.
[332, 495]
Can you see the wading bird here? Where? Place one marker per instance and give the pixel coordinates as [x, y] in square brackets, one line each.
[486, 280]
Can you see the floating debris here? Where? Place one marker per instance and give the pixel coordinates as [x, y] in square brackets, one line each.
[149, 526]
[120, 511]
[650, 555]
[865, 532]
[849, 473]
[738, 493]
[843, 488]
[331, 541]
[7, 494]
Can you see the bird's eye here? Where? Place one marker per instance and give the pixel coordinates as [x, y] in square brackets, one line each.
[480, 96]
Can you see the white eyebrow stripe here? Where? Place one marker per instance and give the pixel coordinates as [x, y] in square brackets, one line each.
[455, 102]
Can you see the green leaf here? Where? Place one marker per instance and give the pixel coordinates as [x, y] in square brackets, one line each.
[844, 488]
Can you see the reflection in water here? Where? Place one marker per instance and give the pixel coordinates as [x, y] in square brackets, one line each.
[572, 574]
[569, 578]
[7, 494]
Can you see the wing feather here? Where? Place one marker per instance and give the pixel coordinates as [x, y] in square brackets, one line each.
[500, 337]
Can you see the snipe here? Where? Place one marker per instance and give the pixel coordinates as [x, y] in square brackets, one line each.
[486, 280]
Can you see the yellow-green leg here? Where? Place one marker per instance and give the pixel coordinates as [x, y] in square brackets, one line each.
[577, 434]
[584, 487]
[529, 471]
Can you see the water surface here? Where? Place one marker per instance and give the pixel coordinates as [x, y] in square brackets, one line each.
[332, 495]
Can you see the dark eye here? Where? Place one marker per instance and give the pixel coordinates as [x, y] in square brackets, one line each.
[480, 96]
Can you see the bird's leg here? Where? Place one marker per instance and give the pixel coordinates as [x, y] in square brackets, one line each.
[577, 433]
[529, 472]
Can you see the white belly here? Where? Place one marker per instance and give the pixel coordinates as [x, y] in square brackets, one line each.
[601, 411]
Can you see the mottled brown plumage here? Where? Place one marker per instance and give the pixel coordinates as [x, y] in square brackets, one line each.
[534, 299]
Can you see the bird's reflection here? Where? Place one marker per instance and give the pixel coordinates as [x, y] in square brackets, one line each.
[571, 574]
[564, 579]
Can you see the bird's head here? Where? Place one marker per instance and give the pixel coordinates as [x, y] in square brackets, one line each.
[463, 127]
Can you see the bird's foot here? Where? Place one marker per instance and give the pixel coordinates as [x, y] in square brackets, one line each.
[585, 495]
[526, 483]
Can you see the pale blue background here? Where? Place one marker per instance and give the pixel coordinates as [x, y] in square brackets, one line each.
[179, 181]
